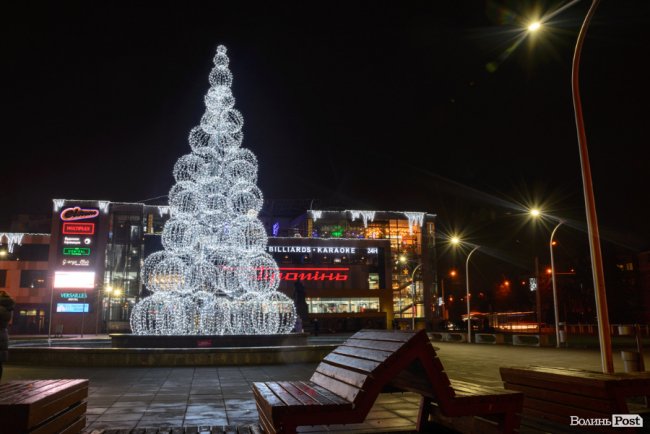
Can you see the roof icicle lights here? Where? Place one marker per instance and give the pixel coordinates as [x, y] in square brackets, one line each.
[214, 276]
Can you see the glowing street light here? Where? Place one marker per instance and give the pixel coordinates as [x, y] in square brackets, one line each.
[456, 241]
[534, 26]
[537, 213]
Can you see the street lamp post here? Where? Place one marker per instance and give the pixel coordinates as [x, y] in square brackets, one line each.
[555, 307]
[414, 294]
[469, 315]
[602, 314]
[590, 205]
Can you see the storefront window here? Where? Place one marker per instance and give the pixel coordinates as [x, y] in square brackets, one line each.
[342, 305]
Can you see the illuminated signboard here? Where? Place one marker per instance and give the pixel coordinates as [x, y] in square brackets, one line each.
[73, 295]
[314, 273]
[346, 250]
[78, 228]
[78, 213]
[76, 251]
[72, 307]
[77, 241]
[74, 279]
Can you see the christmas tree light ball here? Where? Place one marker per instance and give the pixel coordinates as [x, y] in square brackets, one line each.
[180, 235]
[187, 168]
[169, 275]
[180, 187]
[219, 99]
[259, 273]
[220, 77]
[249, 234]
[242, 154]
[246, 203]
[199, 139]
[149, 265]
[202, 276]
[186, 203]
[240, 170]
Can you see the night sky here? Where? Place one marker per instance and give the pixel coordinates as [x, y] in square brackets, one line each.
[372, 105]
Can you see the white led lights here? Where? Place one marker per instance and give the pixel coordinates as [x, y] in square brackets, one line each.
[214, 276]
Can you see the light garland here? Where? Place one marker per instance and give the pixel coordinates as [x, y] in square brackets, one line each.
[415, 218]
[13, 238]
[214, 276]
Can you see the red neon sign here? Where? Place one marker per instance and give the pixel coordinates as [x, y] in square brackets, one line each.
[78, 228]
[306, 273]
[77, 213]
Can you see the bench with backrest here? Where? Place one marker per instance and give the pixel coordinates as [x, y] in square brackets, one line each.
[43, 406]
[349, 379]
[553, 395]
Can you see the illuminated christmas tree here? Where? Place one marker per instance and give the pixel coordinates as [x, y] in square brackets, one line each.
[214, 275]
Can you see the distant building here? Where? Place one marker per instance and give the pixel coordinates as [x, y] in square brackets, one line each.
[24, 275]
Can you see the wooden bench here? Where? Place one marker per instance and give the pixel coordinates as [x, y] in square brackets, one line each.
[553, 395]
[349, 379]
[43, 406]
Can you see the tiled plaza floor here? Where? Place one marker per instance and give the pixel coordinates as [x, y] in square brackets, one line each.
[156, 397]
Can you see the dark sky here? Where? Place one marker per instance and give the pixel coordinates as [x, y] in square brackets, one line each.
[380, 105]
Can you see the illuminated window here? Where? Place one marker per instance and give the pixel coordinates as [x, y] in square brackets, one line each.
[342, 305]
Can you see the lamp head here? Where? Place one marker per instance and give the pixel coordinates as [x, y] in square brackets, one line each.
[534, 26]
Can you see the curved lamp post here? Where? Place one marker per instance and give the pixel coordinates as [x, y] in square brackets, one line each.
[590, 205]
[602, 314]
[555, 308]
[456, 241]
[415, 309]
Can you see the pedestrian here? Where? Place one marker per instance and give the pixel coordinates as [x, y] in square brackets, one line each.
[6, 310]
[316, 327]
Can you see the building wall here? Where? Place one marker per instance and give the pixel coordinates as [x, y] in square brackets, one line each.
[32, 303]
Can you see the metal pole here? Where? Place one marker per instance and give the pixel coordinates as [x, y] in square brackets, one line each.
[413, 295]
[469, 317]
[602, 314]
[538, 297]
[49, 327]
[555, 308]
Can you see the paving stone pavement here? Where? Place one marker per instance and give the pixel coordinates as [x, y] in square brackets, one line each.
[129, 398]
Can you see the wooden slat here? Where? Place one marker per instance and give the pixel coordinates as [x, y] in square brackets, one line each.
[327, 394]
[279, 391]
[374, 344]
[267, 394]
[384, 335]
[62, 420]
[298, 394]
[313, 393]
[362, 365]
[339, 388]
[64, 398]
[376, 355]
[604, 405]
[354, 378]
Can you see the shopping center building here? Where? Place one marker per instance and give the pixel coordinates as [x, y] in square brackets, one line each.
[356, 267]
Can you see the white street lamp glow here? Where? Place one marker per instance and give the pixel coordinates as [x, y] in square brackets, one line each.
[454, 240]
[535, 212]
[534, 26]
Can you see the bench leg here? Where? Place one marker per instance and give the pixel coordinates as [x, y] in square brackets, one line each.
[426, 408]
[510, 422]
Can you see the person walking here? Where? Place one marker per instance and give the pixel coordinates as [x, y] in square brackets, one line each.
[6, 309]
